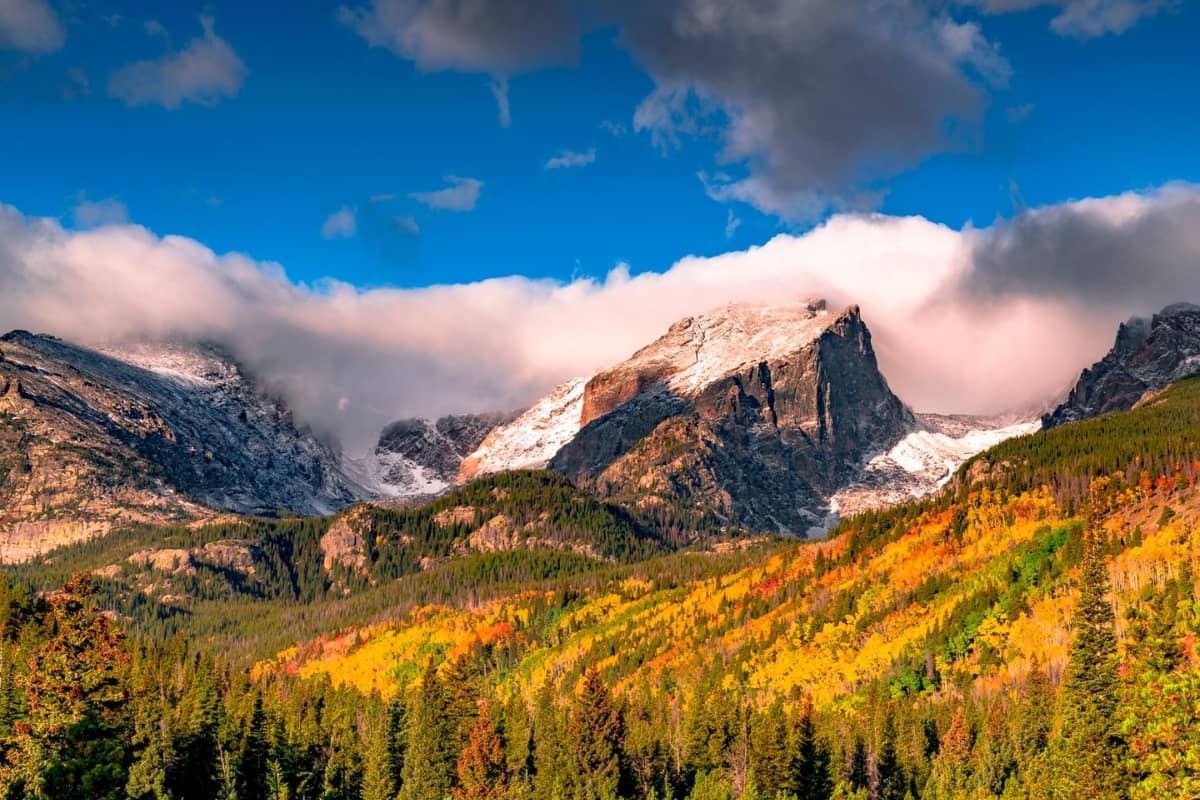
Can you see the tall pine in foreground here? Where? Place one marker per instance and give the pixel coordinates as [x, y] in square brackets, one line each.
[1090, 753]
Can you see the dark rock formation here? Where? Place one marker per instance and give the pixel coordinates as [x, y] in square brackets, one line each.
[1148, 355]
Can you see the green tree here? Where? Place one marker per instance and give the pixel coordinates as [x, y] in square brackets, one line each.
[1090, 753]
[428, 767]
[75, 741]
[595, 734]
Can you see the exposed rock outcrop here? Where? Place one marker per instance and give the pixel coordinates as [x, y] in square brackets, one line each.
[1148, 355]
[751, 415]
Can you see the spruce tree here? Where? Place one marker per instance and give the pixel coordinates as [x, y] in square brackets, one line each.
[482, 766]
[595, 734]
[1090, 754]
[427, 765]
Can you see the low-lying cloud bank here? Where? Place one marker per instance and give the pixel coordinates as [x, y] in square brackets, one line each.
[979, 320]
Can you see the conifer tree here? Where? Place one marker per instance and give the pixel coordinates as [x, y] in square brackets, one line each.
[1090, 752]
[812, 760]
[595, 734]
[482, 767]
[427, 765]
[378, 781]
[772, 758]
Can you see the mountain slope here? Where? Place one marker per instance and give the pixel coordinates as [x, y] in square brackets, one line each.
[1148, 355]
[967, 592]
[144, 434]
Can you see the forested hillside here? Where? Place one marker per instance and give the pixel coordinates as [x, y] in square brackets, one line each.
[1029, 633]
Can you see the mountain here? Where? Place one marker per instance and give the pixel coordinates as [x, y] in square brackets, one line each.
[144, 434]
[750, 416]
[1148, 355]
[761, 417]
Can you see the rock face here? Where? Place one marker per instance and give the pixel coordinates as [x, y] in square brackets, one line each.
[1148, 355]
[91, 440]
[421, 457]
[749, 416]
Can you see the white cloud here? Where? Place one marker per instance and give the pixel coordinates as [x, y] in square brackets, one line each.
[963, 321]
[461, 195]
[407, 225]
[30, 26]
[340, 224]
[571, 158]
[90, 214]
[732, 223]
[499, 87]
[616, 129]
[204, 72]
[1085, 19]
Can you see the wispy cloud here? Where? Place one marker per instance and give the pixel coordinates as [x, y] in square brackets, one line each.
[571, 158]
[92, 213]
[732, 223]
[499, 87]
[204, 72]
[461, 195]
[616, 129]
[341, 224]
[1085, 19]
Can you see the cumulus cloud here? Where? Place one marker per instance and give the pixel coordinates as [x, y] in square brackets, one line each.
[1084, 19]
[769, 79]
[964, 321]
[30, 26]
[1135, 249]
[571, 158]
[204, 72]
[461, 195]
[341, 224]
[91, 213]
[772, 80]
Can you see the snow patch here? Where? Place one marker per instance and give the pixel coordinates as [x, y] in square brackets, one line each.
[921, 463]
[532, 439]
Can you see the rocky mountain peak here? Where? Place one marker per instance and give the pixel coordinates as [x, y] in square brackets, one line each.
[1147, 355]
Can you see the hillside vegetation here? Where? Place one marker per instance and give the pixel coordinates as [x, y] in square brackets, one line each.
[1029, 633]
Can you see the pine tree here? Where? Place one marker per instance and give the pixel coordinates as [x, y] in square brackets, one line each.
[254, 756]
[1090, 754]
[482, 766]
[812, 760]
[951, 774]
[771, 756]
[427, 765]
[378, 781]
[595, 735]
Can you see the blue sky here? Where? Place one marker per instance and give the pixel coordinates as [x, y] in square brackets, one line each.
[317, 120]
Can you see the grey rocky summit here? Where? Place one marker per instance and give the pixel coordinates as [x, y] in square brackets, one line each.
[1148, 355]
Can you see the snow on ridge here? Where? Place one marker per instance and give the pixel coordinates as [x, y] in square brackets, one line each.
[919, 464]
[532, 439]
[735, 335]
[186, 364]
